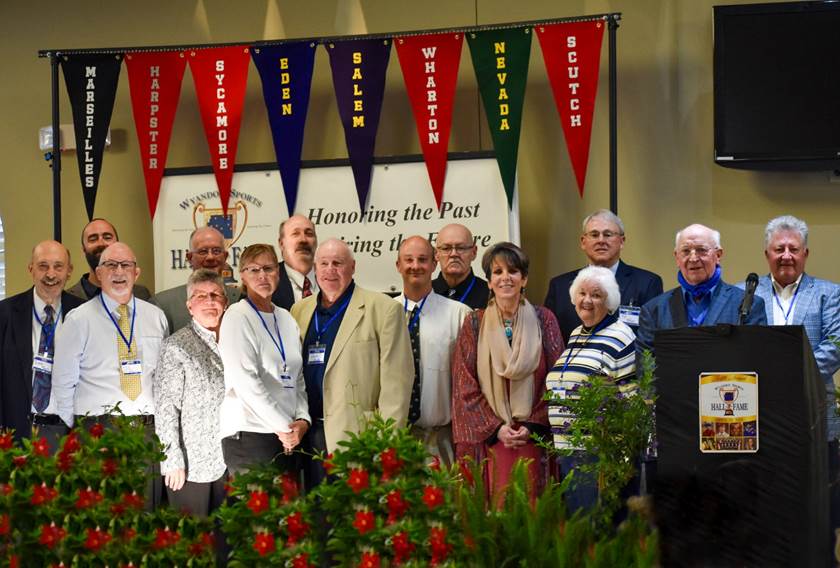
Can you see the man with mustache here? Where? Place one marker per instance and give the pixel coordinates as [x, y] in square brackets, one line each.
[28, 322]
[207, 250]
[602, 240]
[456, 250]
[97, 235]
[433, 325]
[298, 242]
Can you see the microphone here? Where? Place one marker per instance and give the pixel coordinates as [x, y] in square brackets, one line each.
[749, 295]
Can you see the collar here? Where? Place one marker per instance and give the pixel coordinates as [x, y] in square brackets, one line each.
[92, 290]
[208, 336]
[411, 303]
[785, 292]
[112, 304]
[613, 268]
[339, 302]
[608, 320]
[297, 277]
[462, 285]
[41, 304]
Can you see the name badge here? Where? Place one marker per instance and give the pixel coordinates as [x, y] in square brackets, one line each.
[316, 354]
[629, 314]
[131, 367]
[286, 380]
[42, 362]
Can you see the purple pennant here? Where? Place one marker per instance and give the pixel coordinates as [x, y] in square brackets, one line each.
[358, 69]
[286, 73]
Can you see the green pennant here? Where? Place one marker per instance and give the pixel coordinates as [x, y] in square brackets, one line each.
[500, 59]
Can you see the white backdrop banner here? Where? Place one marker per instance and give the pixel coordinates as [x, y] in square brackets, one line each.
[400, 204]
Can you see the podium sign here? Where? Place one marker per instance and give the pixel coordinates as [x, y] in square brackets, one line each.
[728, 412]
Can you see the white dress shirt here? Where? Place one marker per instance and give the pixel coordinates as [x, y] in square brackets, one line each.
[40, 305]
[255, 398]
[783, 301]
[296, 278]
[440, 322]
[86, 374]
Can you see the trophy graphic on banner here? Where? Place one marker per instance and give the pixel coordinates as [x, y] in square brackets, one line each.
[728, 394]
[231, 226]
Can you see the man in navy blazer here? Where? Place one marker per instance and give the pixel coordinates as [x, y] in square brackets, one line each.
[792, 297]
[602, 240]
[298, 242]
[21, 336]
[702, 298]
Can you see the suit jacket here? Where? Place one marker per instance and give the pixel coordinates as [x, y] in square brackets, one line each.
[817, 308]
[78, 290]
[284, 295]
[173, 302]
[637, 287]
[370, 367]
[667, 311]
[16, 362]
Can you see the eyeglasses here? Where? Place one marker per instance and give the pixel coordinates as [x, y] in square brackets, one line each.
[113, 265]
[202, 297]
[700, 252]
[255, 270]
[598, 234]
[449, 249]
[215, 251]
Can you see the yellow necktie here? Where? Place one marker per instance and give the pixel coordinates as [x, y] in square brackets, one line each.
[129, 384]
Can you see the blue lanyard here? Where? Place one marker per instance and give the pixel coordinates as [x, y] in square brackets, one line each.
[133, 316]
[594, 333]
[49, 330]
[792, 301]
[319, 331]
[470, 287]
[279, 346]
[416, 319]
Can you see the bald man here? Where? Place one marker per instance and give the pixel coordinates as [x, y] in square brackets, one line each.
[356, 355]
[456, 250]
[207, 250]
[27, 330]
[298, 242]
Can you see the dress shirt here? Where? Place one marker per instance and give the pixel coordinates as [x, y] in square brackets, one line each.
[86, 373]
[189, 388]
[36, 337]
[782, 303]
[255, 400]
[296, 278]
[440, 321]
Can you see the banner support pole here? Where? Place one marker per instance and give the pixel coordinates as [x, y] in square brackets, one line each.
[613, 26]
[55, 155]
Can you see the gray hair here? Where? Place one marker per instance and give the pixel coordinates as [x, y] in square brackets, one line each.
[205, 228]
[786, 223]
[605, 214]
[204, 275]
[715, 235]
[604, 279]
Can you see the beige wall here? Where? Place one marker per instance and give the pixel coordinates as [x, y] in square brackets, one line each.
[666, 175]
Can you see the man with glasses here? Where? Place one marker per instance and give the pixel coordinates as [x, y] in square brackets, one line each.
[97, 235]
[456, 250]
[298, 242]
[702, 298]
[107, 350]
[207, 250]
[601, 240]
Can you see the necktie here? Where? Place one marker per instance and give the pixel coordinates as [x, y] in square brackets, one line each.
[414, 333]
[42, 382]
[129, 384]
[307, 287]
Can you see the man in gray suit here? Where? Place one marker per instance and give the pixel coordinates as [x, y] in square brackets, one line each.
[207, 250]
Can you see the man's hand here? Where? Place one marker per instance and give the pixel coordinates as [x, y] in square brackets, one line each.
[175, 479]
[292, 439]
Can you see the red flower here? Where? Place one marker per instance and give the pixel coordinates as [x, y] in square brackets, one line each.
[289, 487]
[5, 524]
[6, 489]
[466, 472]
[264, 543]
[296, 527]
[96, 539]
[432, 496]
[42, 494]
[71, 443]
[97, 430]
[19, 461]
[435, 465]
[469, 542]
[88, 498]
[328, 464]
[358, 480]
[117, 509]
[365, 521]
[396, 506]
[14, 561]
[65, 461]
[41, 447]
[7, 441]
[258, 502]
[164, 538]
[205, 542]
[369, 560]
[302, 561]
[109, 467]
[437, 542]
[403, 547]
[391, 464]
[133, 501]
[128, 534]
[51, 535]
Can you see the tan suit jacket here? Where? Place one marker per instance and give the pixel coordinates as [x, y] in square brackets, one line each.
[370, 367]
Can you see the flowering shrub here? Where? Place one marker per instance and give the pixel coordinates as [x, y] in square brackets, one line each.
[84, 505]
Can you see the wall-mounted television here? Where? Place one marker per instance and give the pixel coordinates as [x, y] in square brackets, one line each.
[777, 86]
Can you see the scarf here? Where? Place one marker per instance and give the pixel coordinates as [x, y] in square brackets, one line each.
[700, 291]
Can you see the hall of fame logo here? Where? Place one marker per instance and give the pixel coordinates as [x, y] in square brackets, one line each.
[728, 408]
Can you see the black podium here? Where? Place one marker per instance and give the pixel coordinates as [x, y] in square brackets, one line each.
[741, 508]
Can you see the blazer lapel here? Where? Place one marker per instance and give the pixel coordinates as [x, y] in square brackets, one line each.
[804, 297]
[22, 334]
[307, 309]
[765, 291]
[676, 306]
[622, 276]
[351, 319]
[719, 300]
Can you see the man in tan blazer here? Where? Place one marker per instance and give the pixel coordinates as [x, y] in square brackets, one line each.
[356, 355]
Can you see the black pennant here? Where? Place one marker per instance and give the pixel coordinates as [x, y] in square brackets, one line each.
[91, 82]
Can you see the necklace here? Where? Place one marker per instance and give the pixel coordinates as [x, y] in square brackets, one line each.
[508, 323]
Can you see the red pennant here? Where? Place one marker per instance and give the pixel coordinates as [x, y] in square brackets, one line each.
[155, 83]
[220, 75]
[572, 54]
[430, 70]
